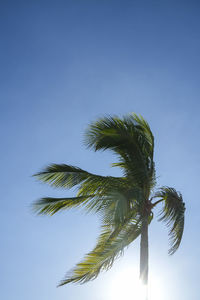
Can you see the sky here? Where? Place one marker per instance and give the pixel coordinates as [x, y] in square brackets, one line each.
[64, 64]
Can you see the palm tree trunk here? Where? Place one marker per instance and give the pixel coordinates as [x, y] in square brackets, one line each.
[144, 254]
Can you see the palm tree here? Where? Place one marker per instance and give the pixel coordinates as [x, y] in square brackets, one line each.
[125, 204]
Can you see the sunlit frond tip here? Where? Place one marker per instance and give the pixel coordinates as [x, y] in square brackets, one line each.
[172, 214]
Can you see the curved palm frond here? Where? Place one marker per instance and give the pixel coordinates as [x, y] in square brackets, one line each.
[110, 245]
[131, 139]
[144, 127]
[173, 215]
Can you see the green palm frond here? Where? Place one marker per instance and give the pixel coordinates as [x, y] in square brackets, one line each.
[131, 139]
[96, 193]
[50, 206]
[61, 175]
[144, 127]
[173, 215]
[109, 246]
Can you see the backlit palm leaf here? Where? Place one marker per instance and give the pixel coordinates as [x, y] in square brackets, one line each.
[49, 206]
[131, 139]
[173, 215]
[95, 192]
[109, 246]
[61, 175]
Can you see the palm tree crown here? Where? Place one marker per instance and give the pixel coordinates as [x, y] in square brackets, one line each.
[125, 203]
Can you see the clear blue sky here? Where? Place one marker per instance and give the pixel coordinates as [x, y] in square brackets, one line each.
[62, 65]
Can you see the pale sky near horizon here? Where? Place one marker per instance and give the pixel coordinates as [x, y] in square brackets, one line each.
[63, 64]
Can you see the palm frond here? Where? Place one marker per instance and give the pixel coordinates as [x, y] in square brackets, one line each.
[61, 175]
[109, 246]
[95, 192]
[173, 215]
[144, 127]
[131, 139]
[50, 206]
[67, 176]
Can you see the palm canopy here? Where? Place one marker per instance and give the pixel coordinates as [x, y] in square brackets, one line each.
[121, 202]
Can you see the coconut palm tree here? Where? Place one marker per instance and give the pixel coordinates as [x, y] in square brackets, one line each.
[124, 204]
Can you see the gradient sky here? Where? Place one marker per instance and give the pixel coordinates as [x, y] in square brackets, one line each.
[63, 64]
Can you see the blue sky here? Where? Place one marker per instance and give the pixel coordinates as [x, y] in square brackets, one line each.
[64, 64]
